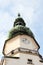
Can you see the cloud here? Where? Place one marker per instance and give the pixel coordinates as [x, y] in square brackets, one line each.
[5, 21]
[3, 37]
[4, 3]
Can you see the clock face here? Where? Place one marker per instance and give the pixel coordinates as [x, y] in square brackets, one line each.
[25, 40]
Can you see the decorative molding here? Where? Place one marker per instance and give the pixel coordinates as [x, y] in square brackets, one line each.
[22, 50]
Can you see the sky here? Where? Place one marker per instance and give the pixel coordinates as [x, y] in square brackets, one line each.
[31, 11]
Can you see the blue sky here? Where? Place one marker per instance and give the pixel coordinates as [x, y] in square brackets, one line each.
[31, 11]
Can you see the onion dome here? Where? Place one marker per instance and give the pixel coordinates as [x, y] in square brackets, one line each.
[19, 28]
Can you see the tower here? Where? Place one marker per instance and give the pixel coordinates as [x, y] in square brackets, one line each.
[21, 47]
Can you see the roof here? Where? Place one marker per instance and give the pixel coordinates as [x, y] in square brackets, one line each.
[19, 20]
[19, 29]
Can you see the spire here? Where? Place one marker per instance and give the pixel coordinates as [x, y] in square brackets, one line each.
[19, 21]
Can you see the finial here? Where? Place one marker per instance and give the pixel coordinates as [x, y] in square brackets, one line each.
[18, 14]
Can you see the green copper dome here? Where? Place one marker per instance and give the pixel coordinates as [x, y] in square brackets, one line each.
[19, 28]
[19, 21]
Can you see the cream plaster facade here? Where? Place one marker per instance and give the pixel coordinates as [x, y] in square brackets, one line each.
[16, 43]
[23, 60]
[23, 55]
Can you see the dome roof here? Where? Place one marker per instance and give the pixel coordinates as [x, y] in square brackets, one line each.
[19, 21]
[20, 28]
